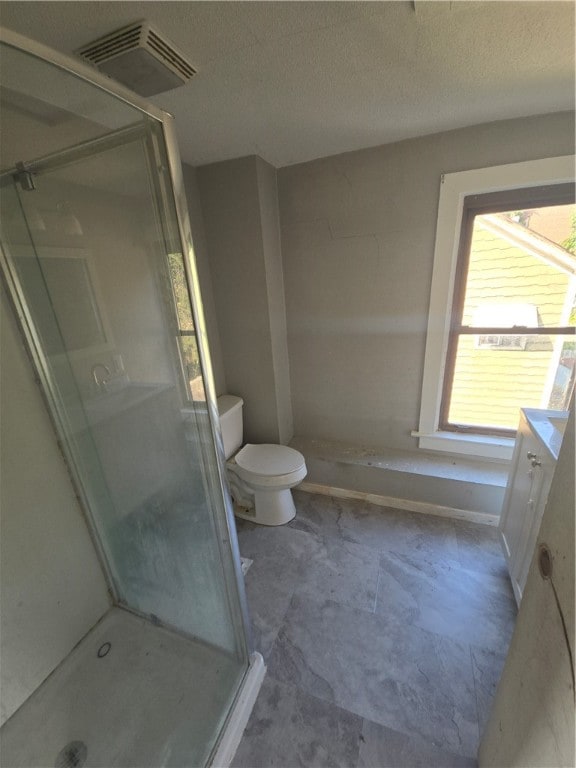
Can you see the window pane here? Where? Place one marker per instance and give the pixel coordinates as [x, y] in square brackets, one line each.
[191, 360]
[495, 375]
[517, 276]
[180, 289]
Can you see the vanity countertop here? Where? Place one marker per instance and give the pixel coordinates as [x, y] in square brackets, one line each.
[548, 426]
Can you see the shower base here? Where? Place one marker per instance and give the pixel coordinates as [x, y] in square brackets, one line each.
[135, 695]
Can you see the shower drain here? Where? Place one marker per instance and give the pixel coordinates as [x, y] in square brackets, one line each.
[72, 756]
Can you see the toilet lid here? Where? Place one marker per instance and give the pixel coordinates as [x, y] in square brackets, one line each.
[269, 459]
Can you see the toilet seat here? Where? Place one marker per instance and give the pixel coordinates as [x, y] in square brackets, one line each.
[266, 466]
[264, 459]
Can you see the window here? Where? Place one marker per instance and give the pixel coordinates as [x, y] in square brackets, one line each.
[509, 276]
[188, 342]
[499, 333]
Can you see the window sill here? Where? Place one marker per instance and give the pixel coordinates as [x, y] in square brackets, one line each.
[481, 446]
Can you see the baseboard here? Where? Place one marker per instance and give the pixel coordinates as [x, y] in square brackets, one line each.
[422, 507]
[240, 713]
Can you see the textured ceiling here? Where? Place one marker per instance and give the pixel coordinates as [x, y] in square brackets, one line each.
[292, 81]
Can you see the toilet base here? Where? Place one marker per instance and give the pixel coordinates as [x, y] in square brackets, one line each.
[270, 508]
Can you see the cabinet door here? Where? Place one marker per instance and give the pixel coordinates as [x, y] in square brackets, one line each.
[542, 471]
[532, 482]
[516, 498]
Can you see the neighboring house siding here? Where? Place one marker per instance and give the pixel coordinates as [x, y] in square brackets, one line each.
[491, 384]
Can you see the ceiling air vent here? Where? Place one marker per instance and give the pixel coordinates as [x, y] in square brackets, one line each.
[139, 57]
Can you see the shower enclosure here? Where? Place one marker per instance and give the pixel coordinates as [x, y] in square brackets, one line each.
[98, 264]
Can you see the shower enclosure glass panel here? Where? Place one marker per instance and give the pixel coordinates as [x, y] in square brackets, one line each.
[93, 258]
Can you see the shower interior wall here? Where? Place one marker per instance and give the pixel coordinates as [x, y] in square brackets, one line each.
[52, 587]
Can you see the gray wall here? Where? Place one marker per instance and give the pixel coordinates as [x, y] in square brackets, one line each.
[241, 224]
[532, 720]
[357, 243]
[272, 252]
[52, 588]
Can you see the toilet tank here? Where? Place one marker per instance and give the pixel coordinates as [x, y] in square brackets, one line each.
[230, 412]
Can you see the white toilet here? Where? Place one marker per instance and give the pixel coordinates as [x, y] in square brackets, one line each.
[260, 476]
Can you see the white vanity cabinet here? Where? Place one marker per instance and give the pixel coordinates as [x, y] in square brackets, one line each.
[533, 463]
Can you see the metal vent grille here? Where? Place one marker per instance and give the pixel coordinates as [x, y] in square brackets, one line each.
[112, 45]
[169, 55]
[140, 57]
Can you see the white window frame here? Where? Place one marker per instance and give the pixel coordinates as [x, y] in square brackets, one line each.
[454, 188]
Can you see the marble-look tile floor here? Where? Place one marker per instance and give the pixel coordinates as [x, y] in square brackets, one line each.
[384, 633]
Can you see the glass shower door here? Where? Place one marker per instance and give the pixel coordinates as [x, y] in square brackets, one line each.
[93, 259]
